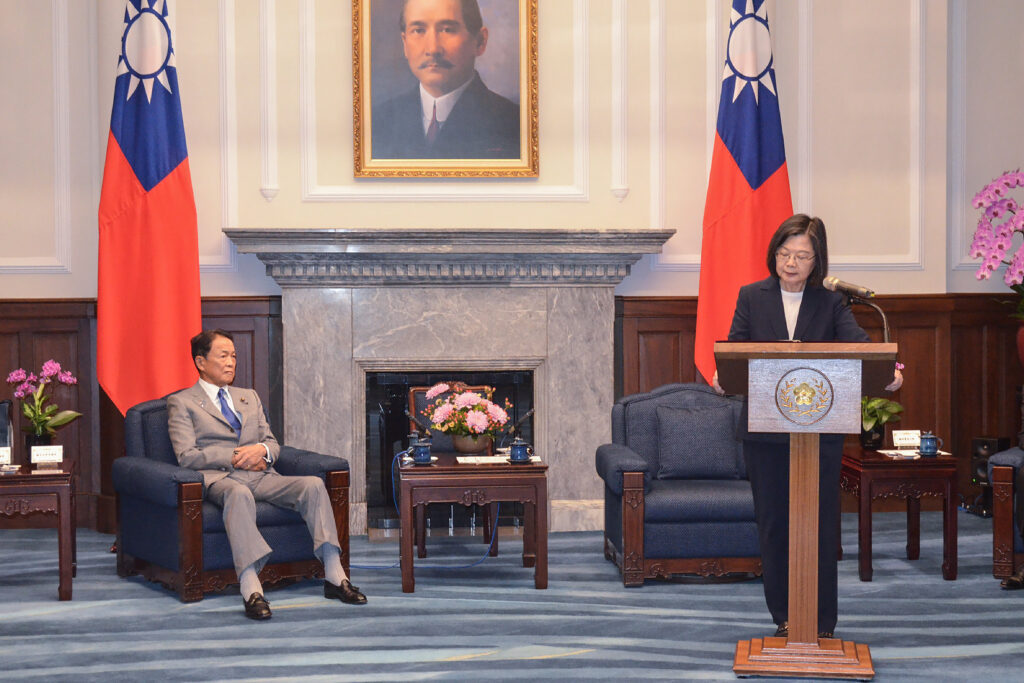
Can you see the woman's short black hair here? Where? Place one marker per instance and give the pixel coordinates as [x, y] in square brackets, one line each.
[802, 224]
[203, 342]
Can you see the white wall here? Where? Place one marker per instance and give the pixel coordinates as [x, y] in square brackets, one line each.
[895, 113]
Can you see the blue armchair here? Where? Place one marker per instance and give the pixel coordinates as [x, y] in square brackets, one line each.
[170, 535]
[1007, 545]
[677, 498]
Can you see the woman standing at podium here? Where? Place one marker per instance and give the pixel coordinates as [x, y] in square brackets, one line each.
[791, 304]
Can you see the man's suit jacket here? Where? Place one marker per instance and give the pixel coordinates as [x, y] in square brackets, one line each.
[481, 125]
[760, 317]
[201, 436]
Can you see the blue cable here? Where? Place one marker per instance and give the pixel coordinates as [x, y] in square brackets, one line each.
[494, 534]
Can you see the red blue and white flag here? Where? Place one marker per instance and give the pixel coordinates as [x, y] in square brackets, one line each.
[148, 289]
[748, 190]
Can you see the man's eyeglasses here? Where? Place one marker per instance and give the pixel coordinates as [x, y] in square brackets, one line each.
[800, 256]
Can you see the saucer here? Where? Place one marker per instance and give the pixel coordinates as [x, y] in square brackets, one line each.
[410, 461]
[519, 462]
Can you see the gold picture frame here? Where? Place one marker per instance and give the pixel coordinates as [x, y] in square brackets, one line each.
[481, 139]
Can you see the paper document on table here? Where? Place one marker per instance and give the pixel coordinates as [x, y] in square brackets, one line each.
[902, 454]
[487, 459]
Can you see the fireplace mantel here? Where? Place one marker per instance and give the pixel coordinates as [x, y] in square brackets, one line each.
[449, 300]
[442, 257]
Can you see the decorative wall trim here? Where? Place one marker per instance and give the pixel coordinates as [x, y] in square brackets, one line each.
[913, 258]
[620, 100]
[680, 262]
[267, 18]
[805, 108]
[60, 262]
[376, 191]
[226, 261]
[513, 257]
[957, 203]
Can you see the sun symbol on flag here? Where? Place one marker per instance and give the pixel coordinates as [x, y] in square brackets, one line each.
[146, 51]
[748, 56]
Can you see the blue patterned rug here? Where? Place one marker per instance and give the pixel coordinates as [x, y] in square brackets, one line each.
[489, 623]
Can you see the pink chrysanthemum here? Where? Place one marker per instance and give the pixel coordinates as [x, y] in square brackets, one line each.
[442, 413]
[16, 376]
[467, 399]
[497, 413]
[437, 390]
[477, 421]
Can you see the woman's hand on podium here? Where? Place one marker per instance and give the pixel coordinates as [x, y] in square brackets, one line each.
[897, 381]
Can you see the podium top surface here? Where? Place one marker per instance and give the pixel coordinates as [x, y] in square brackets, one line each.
[872, 351]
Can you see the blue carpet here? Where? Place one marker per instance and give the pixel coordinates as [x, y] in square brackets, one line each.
[489, 623]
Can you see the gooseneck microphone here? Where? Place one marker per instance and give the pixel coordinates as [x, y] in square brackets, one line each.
[836, 285]
[520, 421]
[420, 423]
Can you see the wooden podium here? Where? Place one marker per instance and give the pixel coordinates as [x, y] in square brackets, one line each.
[804, 389]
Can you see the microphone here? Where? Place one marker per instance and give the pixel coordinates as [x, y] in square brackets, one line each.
[424, 427]
[520, 421]
[836, 285]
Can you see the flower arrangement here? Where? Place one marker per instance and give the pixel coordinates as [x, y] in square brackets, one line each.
[994, 243]
[458, 411]
[31, 390]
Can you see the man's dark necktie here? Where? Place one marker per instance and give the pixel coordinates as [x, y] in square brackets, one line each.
[229, 414]
[434, 127]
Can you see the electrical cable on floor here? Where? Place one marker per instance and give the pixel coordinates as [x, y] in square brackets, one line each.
[394, 494]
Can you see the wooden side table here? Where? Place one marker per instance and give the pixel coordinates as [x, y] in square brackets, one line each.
[447, 481]
[31, 492]
[869, 475]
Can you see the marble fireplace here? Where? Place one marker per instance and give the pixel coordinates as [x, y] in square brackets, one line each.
[358, 301]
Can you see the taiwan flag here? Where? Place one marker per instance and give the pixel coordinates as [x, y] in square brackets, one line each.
[748, 191]
[148, 290]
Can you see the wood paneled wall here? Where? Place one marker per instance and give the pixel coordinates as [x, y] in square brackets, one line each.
[32, 332]
[960, 352]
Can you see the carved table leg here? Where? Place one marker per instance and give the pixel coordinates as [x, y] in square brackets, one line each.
[949, 531]
[492, 527]
[405, 540]
[421, 530]
[529, 535]
[540, 579]
[864, 524]
[64, 542]
[913, 527]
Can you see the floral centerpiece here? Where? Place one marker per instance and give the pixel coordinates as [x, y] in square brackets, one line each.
[993, 240]
[472, 419]
[31, 390]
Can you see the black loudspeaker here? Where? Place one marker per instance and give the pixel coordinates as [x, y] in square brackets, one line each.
[982, 448]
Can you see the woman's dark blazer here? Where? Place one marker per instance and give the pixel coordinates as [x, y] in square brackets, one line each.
[824, 317]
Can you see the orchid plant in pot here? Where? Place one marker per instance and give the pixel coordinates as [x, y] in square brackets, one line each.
[993, 242]
[44, 417]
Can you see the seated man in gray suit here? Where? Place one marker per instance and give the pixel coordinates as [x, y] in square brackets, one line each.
[222, 432]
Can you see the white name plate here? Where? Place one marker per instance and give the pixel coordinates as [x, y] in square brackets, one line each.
[5, 455]
[906, 438]
[47, 454]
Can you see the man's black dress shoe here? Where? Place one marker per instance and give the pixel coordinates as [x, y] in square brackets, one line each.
[346, 592]
[783, 630]
[257, 607]
[1014, 582]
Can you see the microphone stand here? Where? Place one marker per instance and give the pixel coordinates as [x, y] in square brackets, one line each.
[872, 304]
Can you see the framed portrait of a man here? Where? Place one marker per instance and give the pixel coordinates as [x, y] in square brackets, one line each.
[445, 88]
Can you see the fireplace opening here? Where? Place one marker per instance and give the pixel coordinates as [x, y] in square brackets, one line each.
[387, 433]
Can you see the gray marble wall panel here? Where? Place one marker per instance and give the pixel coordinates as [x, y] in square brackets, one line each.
[580, 389]
[319, 383]
[449, 322]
